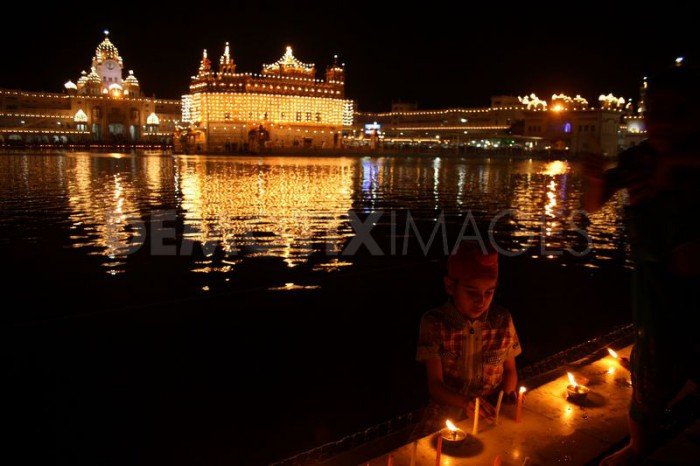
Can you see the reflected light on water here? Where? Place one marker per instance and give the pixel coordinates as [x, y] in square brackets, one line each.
[278, 210]
[289, 208]
[556, 167]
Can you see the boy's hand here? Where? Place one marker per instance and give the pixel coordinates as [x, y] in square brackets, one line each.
[486, 409]
[510, 398]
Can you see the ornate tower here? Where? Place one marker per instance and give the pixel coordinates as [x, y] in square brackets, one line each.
[204, 73]
[642, 106]
[335, 73]
[226, 65]
[108, 64]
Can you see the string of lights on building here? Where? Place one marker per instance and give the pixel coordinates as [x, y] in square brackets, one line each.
[226, 109]
[102, 106]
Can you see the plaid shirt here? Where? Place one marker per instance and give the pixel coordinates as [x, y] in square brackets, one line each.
[472, 352]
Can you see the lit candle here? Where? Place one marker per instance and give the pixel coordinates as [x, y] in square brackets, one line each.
[451, 433]
[475, 428]
[624, 362]
[575, 391]
[390, 460]
[438, 451]
[519, 407]
[414, 448]
[498, 405]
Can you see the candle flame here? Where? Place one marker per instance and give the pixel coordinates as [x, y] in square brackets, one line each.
[450, 425]
[572, 380]
[523, 389]
[613, 353]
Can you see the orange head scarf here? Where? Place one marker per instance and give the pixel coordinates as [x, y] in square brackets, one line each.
[470, 262]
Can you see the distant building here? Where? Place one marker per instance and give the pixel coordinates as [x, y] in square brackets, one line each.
[565, 124]
[633, 130]
[577, 131]
[455, 125]
[102, 106]
[283, 106]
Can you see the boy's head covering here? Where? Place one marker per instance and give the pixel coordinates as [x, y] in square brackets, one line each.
[470, 262]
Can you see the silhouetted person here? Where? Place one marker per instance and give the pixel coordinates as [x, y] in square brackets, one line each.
[662, 178]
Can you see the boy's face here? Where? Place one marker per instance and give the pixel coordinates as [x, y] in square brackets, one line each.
[472, 296]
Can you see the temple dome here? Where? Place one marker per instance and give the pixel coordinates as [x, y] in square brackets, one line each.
[153, 119]
[83, 79]
[80, 116]
[131, 79]
[93, 77]
[289, 65]
[107, 51]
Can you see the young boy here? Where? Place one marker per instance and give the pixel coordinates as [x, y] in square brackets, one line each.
[468, 345]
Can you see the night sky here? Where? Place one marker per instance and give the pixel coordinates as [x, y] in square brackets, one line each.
[430, 54]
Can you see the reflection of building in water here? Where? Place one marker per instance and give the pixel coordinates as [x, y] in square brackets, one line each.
[548, 209]
[104, 196]
[101, 106]
[283, 106]
[285, 210]
[99, 210]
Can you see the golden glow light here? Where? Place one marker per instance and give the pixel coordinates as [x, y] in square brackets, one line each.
[572, 380]
[612, 353]
[450, 426]
[610, 101]
[533, 102]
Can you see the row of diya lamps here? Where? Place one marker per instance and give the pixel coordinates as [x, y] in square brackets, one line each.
[452, 435]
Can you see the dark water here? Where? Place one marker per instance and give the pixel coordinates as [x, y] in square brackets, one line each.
[121, 349]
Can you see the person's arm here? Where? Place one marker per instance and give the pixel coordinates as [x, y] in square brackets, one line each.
[597, 185]
[510, 378]
[510, 371]
[437, 388]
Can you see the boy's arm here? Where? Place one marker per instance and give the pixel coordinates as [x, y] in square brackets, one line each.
[510, 376]
[437, 388]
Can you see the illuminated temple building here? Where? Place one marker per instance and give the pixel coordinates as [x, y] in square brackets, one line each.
[101, 107]
[283, 106]
[563, 124]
